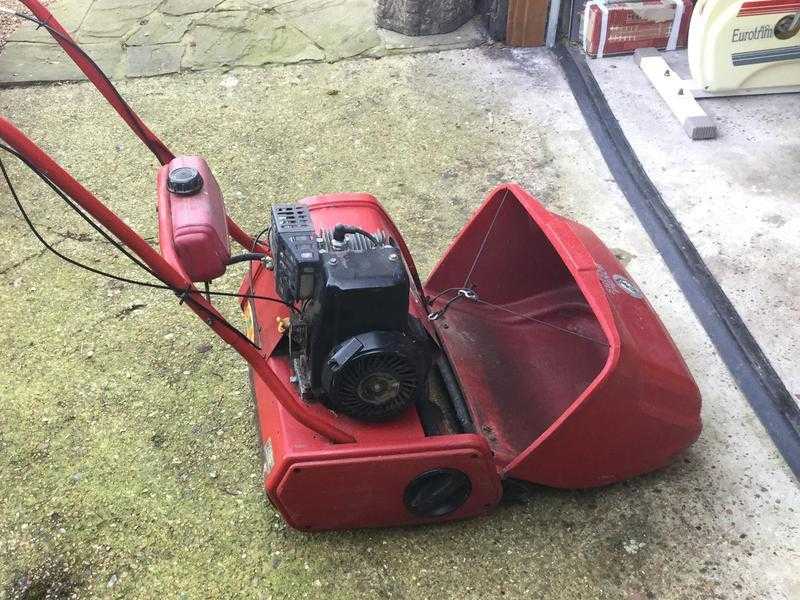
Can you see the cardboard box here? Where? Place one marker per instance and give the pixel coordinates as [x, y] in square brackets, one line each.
[612, 27]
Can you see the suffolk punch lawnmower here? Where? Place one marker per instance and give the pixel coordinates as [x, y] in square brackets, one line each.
[529, 354]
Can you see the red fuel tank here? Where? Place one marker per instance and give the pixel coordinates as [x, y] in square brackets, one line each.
[192, 227]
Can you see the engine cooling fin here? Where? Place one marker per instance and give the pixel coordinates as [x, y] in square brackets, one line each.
[375, 386]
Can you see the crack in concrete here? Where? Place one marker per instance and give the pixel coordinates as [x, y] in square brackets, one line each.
[15, 265]
[75, 237]
[219, 52]
[121, 314]
[289, 24]
[85, 16]
[133, 32]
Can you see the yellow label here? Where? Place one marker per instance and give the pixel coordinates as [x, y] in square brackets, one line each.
[250, 326]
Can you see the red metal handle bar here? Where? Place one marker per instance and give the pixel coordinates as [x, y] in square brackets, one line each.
[96, 76]
[166, 273]
[110, 93]
[245, 240]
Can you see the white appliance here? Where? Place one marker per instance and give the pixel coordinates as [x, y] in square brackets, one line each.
[750, 46]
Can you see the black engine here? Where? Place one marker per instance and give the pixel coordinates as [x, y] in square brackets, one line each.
[353, 344]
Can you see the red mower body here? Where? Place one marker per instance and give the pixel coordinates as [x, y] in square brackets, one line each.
[549, 407]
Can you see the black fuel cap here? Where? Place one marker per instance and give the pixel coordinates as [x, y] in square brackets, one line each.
[184, 181]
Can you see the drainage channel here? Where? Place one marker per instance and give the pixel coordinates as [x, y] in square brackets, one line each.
[747, 363]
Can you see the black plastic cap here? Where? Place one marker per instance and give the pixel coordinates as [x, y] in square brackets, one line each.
[184, 181]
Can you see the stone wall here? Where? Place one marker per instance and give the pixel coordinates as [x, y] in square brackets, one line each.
[140, 38]
[424, 17]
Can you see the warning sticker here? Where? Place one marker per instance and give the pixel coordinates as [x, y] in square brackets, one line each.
[250, 326]
[627, 286]
[269, 458]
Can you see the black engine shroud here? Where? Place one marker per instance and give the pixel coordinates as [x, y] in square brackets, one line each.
[353, 344]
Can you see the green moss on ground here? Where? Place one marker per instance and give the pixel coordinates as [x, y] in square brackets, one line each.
[129, 450]
[128, 462]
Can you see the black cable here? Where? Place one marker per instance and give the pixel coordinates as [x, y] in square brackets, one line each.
[246, 257]
[210, 316]
[261, 233]
[256, 239]
[253, 297]
[136, 124]
[119, 246]
[52, 249]
[340, 231]
[100, 272]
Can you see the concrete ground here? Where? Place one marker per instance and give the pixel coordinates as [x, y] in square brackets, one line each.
[736, 196]
[142, 38]
[128, 462]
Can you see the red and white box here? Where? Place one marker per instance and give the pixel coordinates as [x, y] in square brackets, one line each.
[613, 27]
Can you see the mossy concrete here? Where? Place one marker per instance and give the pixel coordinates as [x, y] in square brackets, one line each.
[128, 460]
[142, 38]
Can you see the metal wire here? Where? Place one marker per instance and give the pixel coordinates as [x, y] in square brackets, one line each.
[468, 293]
[485, 239]
[545, 323]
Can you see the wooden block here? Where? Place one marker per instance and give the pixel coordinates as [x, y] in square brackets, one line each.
[527, 20]
[677, 93]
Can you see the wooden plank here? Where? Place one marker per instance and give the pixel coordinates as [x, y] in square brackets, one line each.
[527, 21]
[677, 94]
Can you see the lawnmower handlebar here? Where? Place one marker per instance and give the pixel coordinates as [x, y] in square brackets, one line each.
[99, 80]
[172, 278]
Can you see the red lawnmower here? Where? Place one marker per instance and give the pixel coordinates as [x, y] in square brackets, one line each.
[528, 354]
